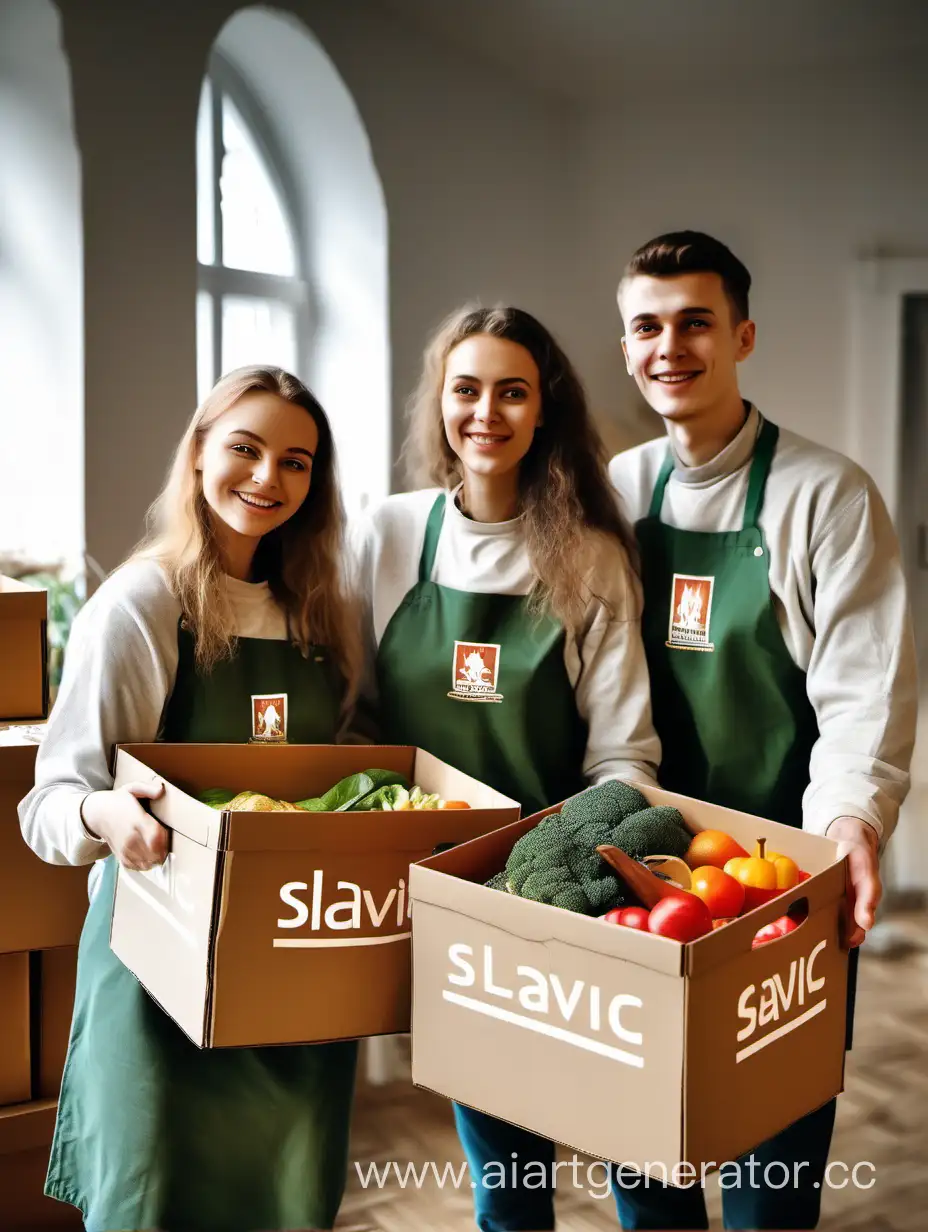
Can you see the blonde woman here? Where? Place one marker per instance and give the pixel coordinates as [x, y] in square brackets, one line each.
[503, 614]
[236, 591]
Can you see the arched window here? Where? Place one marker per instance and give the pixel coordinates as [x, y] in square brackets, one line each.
[252, 297]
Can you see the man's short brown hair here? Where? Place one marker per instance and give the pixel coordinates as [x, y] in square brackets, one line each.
[693, 252]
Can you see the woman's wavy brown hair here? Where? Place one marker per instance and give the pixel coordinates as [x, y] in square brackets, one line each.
[568, 506]
[302, 560]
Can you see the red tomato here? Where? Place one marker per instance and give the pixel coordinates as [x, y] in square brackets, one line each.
[803, 875]
[774, 930]
[722, 893]
[682, 918]
[635, 917]
[614, 916]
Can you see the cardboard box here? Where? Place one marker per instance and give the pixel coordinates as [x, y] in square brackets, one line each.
[24, 679]
[25, 1137]
[15, 1050]
[55, 977]
[41, 905]
[621, 1044]
[279, 928]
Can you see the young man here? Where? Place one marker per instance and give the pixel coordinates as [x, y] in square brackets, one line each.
[776, 627]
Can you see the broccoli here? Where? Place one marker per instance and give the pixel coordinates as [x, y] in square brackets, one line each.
[498, 882]
[557, 862]
[654, 831]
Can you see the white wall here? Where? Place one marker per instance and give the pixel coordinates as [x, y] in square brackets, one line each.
[471, 174]
[41, 421]
[799, 176]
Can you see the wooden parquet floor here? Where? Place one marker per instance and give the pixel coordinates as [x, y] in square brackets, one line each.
[882, 1118]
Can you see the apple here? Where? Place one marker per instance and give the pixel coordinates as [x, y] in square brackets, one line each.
[682, 918]
[628, 917]
[773, 931]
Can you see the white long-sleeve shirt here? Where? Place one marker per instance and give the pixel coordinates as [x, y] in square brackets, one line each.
[119, 674]
[840, 598]
[605, 661]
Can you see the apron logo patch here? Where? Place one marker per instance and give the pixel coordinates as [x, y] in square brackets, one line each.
[269, 718]
[690, 612]
[475, 672]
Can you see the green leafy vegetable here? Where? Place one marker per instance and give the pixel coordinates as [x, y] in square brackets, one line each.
[217, 797]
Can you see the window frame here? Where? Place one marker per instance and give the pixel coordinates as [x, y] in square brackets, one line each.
[218, 280]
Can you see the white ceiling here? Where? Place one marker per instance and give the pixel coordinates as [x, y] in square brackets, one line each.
[602, 49]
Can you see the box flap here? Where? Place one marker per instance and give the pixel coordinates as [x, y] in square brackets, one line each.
[162, 929]
[174, 808]
[20, 601]
[27, 1126]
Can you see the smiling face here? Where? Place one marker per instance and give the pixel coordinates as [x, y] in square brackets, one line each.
[490, 404]
[255, 463]
[681, 344]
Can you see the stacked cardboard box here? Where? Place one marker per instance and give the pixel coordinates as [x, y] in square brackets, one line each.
[41, 912]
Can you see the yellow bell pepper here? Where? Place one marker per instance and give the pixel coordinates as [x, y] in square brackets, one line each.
[787, 870]
[757, 874]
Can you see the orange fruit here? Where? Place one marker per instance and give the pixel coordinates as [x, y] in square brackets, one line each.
[722, 894]
[713, 847]
[453, 804]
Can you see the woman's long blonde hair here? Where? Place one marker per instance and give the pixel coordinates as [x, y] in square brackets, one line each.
[567, 503]
[302, 560]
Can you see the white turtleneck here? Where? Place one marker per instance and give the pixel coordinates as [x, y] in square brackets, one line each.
[840, 598]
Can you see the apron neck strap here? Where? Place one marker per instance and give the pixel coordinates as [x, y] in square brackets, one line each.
[657, 496]
[757, 480]
[760, 469]
[430, 543]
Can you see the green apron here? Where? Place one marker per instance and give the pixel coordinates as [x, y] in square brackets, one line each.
[730, 705]
[153, 1132]
[480, 682]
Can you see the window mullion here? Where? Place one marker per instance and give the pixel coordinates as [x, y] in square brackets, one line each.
[218, 154]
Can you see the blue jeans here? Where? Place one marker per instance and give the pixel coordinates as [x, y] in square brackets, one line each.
[749, 1204]
[509, 1198]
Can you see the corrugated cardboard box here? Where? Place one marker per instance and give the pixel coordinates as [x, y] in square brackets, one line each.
[55, 973]
[24, 679]
[278, 928]
[15, 1050]
[621, 1044]
[25, 1137]
[41, 905]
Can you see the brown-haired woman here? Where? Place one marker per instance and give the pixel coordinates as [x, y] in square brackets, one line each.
[505, 613]
[236, 592]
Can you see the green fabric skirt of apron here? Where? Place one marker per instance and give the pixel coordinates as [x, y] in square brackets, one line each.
[480, 681]
[155, 1133]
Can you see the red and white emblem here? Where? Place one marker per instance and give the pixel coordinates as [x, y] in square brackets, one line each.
[269, 718]
[690, 612]
[475, 672]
